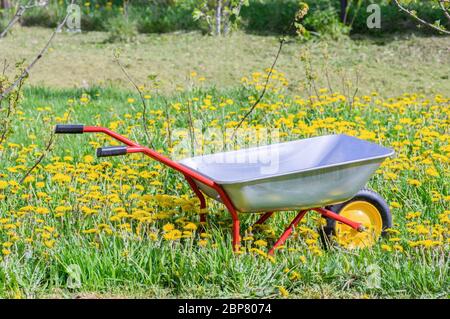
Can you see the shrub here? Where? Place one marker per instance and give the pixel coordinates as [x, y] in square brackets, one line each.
[392, 20]
[42, 17]
[326, 23]
[121, 29]
[163, 18]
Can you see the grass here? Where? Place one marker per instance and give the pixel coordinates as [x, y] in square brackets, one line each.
[82, 227]
[394, 64]
[110, 220]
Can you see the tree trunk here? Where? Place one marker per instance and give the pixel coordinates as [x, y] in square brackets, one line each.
[344, 4]
[226, 17]
[5, 4]
[218, 17]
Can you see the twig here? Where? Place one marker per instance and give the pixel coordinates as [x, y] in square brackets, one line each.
[20, 11]
[26, 71]
[446, 11]
[191, 127]
[356, 90]
[12, 105]
[282, 40]
[144, 105]
[5, 66]
[269, 75]
[39, 160]
[432, 26]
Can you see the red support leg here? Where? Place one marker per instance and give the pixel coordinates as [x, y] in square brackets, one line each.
[263, 218]
[329, 214]
[228, 204]
[234, 216]
[288, 231]
[200, 196]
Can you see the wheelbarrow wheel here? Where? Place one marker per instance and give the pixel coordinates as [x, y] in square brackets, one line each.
[368, 208]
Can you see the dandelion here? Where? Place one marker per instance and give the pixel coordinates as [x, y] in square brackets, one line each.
[295, 276]
[190, 226]
[414, 182]
[260, 243]
[6, 252]
[168, 227]
[432, 172]
[42, 210]
[173, 235]
[88, 159]
[283, 292]
[49, 243]
[396, 205]
[3, 185]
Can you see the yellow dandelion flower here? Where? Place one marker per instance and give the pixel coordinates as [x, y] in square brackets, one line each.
[49, 243]
[432, 172]
[260, 243]
[168, 227]
[283, 291]
[190, 226]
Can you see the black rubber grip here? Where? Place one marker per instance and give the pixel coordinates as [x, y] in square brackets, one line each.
[69, 129]
[111, 151]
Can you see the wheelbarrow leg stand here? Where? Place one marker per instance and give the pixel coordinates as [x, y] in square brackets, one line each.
[288, 231]
[228, 204]
[328, 213]
[236, 232]
[202, 199]
[263, 218]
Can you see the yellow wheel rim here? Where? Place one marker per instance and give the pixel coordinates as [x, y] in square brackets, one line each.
[368, 215]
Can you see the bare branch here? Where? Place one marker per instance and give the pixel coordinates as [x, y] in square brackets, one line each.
[412, 14]
[39, 160]
[27, 70]
[269, 75]
[19, 13]
[11, 107]
[446, 11]
[144, 105]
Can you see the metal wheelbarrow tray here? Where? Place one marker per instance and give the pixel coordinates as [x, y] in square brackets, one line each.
[307, 173]
[301, 175]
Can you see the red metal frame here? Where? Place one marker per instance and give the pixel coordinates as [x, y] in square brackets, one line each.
[192, 176]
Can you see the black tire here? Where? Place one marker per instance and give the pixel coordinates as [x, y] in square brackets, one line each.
[326, 232]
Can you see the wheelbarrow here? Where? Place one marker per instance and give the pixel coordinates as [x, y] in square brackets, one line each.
[325, 174]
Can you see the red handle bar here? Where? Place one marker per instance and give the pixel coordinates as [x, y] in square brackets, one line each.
[133, 147]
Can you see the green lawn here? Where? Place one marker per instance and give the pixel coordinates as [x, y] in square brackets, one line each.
[128, 227]
[392, 65]
[78, 211]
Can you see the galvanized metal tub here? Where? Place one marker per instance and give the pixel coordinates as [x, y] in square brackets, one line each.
[302, 174]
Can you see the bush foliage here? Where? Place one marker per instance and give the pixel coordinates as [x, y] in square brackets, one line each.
[260, 16]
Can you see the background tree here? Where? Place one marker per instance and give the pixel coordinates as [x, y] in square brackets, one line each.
[5, 4]
[436, 25]
[220, 15]
[344, 4]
